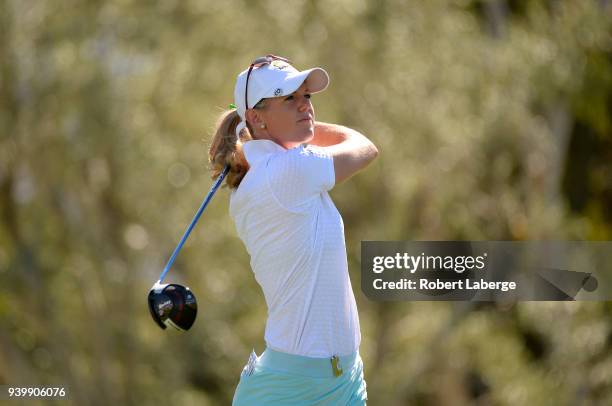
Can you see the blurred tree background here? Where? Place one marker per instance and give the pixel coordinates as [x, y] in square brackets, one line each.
[493, 119]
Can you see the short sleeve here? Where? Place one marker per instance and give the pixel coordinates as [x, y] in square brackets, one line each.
[300, 174]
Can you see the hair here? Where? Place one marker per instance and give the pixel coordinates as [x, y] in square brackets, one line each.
[226, 147]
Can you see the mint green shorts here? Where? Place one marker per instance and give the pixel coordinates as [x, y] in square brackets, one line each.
[277, 379]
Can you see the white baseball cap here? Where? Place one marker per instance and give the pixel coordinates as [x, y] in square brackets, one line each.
[274, 78]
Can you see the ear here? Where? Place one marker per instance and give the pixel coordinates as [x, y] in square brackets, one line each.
[254, 117]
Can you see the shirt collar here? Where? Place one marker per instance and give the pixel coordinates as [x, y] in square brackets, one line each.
[256, 150]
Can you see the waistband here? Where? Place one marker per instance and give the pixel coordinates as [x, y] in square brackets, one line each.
[327, 367]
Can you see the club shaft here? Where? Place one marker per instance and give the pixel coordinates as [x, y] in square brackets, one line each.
[193, 222]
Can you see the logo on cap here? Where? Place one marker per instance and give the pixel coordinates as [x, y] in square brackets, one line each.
[278, 92]
[279, 64]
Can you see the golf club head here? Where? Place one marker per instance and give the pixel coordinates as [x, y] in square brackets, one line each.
[172, 305]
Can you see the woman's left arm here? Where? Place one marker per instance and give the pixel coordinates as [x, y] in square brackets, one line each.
[326, 134]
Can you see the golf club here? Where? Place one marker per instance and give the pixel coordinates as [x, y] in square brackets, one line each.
[172, 304]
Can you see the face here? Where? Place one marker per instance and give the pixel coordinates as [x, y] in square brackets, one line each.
[289, 119]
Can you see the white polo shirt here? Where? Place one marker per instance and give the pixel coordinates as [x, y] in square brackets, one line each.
[295, 237]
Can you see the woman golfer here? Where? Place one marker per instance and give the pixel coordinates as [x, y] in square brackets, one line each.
[282, 165]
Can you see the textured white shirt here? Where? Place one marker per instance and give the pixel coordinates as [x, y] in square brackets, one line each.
[295, 237]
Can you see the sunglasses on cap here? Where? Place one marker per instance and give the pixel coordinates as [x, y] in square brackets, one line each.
[261, 61]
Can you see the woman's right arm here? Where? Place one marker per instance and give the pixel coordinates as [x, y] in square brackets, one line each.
[351, 150]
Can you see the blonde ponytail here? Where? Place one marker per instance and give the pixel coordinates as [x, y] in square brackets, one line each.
[226, 148]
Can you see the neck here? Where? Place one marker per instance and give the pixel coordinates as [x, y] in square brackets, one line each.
[284, 144]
